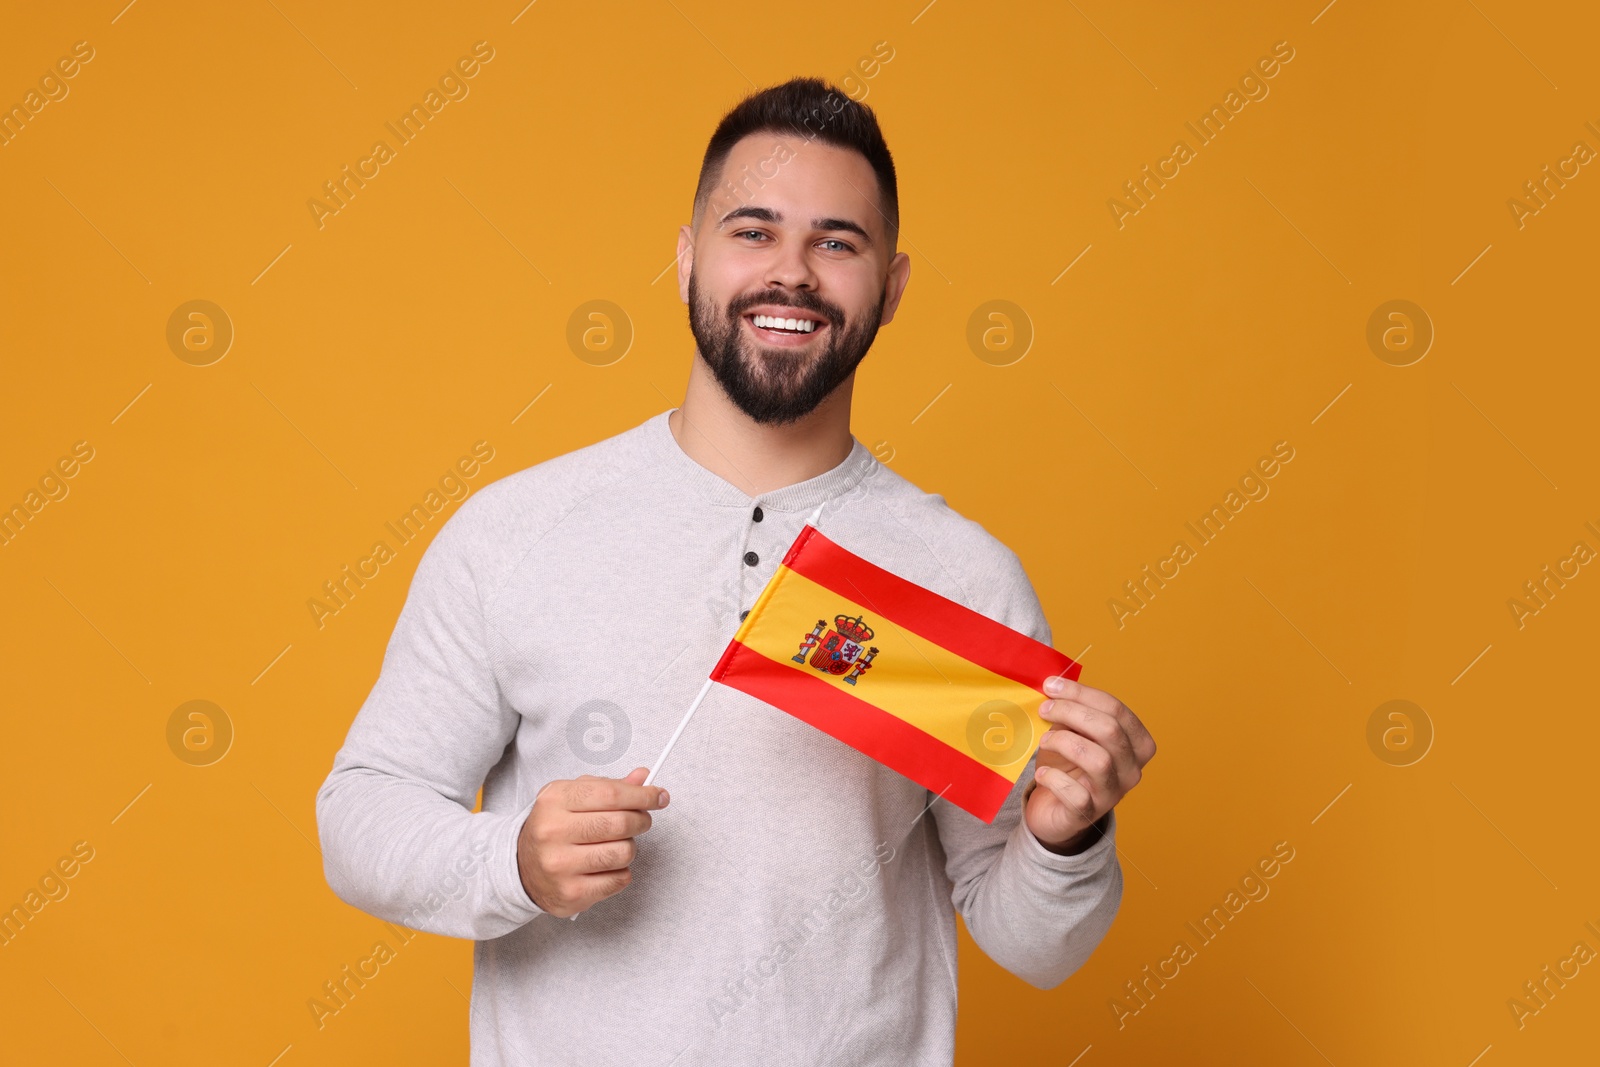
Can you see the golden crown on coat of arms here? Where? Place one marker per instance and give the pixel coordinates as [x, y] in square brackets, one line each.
[853, 629]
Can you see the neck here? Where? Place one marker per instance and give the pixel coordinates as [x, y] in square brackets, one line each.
[759, 458]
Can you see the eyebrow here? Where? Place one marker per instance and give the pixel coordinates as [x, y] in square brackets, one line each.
[764, 214]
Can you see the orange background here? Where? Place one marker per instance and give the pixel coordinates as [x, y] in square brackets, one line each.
[1228, 314]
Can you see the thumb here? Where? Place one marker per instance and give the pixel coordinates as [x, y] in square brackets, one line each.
[637, 776]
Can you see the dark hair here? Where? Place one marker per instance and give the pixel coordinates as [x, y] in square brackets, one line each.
[817, 111]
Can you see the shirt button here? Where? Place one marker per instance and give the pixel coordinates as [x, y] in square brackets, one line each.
[751, 559]
[758, 516]
[743, 613]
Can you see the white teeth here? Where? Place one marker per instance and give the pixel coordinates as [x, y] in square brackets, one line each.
[773, 323]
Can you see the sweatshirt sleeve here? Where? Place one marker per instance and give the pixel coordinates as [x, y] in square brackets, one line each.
[1037, 914]
[399, 837]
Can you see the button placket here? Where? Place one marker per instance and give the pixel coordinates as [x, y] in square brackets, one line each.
[747, 587]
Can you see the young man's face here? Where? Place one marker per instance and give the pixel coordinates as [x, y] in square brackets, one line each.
[800, 235]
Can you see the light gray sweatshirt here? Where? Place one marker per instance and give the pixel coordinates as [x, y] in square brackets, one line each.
[795, 902]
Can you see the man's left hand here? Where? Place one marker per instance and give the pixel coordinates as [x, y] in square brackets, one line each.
[1092, 755]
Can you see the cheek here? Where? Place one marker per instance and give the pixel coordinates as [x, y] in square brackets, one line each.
[863, 303]
[724, 279]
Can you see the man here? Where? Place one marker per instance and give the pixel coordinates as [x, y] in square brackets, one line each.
[794, 903]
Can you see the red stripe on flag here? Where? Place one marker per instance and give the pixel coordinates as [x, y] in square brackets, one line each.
[965, 632]
[964, 781]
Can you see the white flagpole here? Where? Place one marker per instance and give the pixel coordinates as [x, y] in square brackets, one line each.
[704, 689]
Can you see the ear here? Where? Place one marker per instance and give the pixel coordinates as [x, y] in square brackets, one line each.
[685, 261]
[895, 285]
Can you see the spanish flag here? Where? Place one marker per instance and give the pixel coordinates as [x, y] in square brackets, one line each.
[929, 688]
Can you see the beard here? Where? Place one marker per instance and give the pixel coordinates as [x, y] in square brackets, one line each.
[778, 386]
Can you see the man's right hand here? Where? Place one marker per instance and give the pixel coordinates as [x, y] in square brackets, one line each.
[577, 842]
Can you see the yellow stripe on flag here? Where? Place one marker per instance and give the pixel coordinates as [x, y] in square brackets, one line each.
[979, 713]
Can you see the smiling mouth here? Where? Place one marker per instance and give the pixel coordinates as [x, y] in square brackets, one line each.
[774, 326]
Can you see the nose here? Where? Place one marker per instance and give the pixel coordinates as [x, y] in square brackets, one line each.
[790, 267]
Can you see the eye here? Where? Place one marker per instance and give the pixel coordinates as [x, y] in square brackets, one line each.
[743, 233]
[843, 246]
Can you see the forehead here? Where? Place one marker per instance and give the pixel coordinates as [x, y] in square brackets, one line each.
[800, 179]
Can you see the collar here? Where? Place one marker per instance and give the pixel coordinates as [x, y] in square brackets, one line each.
[801, 496]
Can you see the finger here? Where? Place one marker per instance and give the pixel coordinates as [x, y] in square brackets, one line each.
[1074, 795]
[597, 859]
[641, 772]
[1071, 752]
[1141, 746]
[1061, 686]
[1103, 725]
[612, 794]
[593, 888]
[1144, 746]
[1047, 758]
[592, 827]
[1095, 761]
[1048, 755]
[1104, 729]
